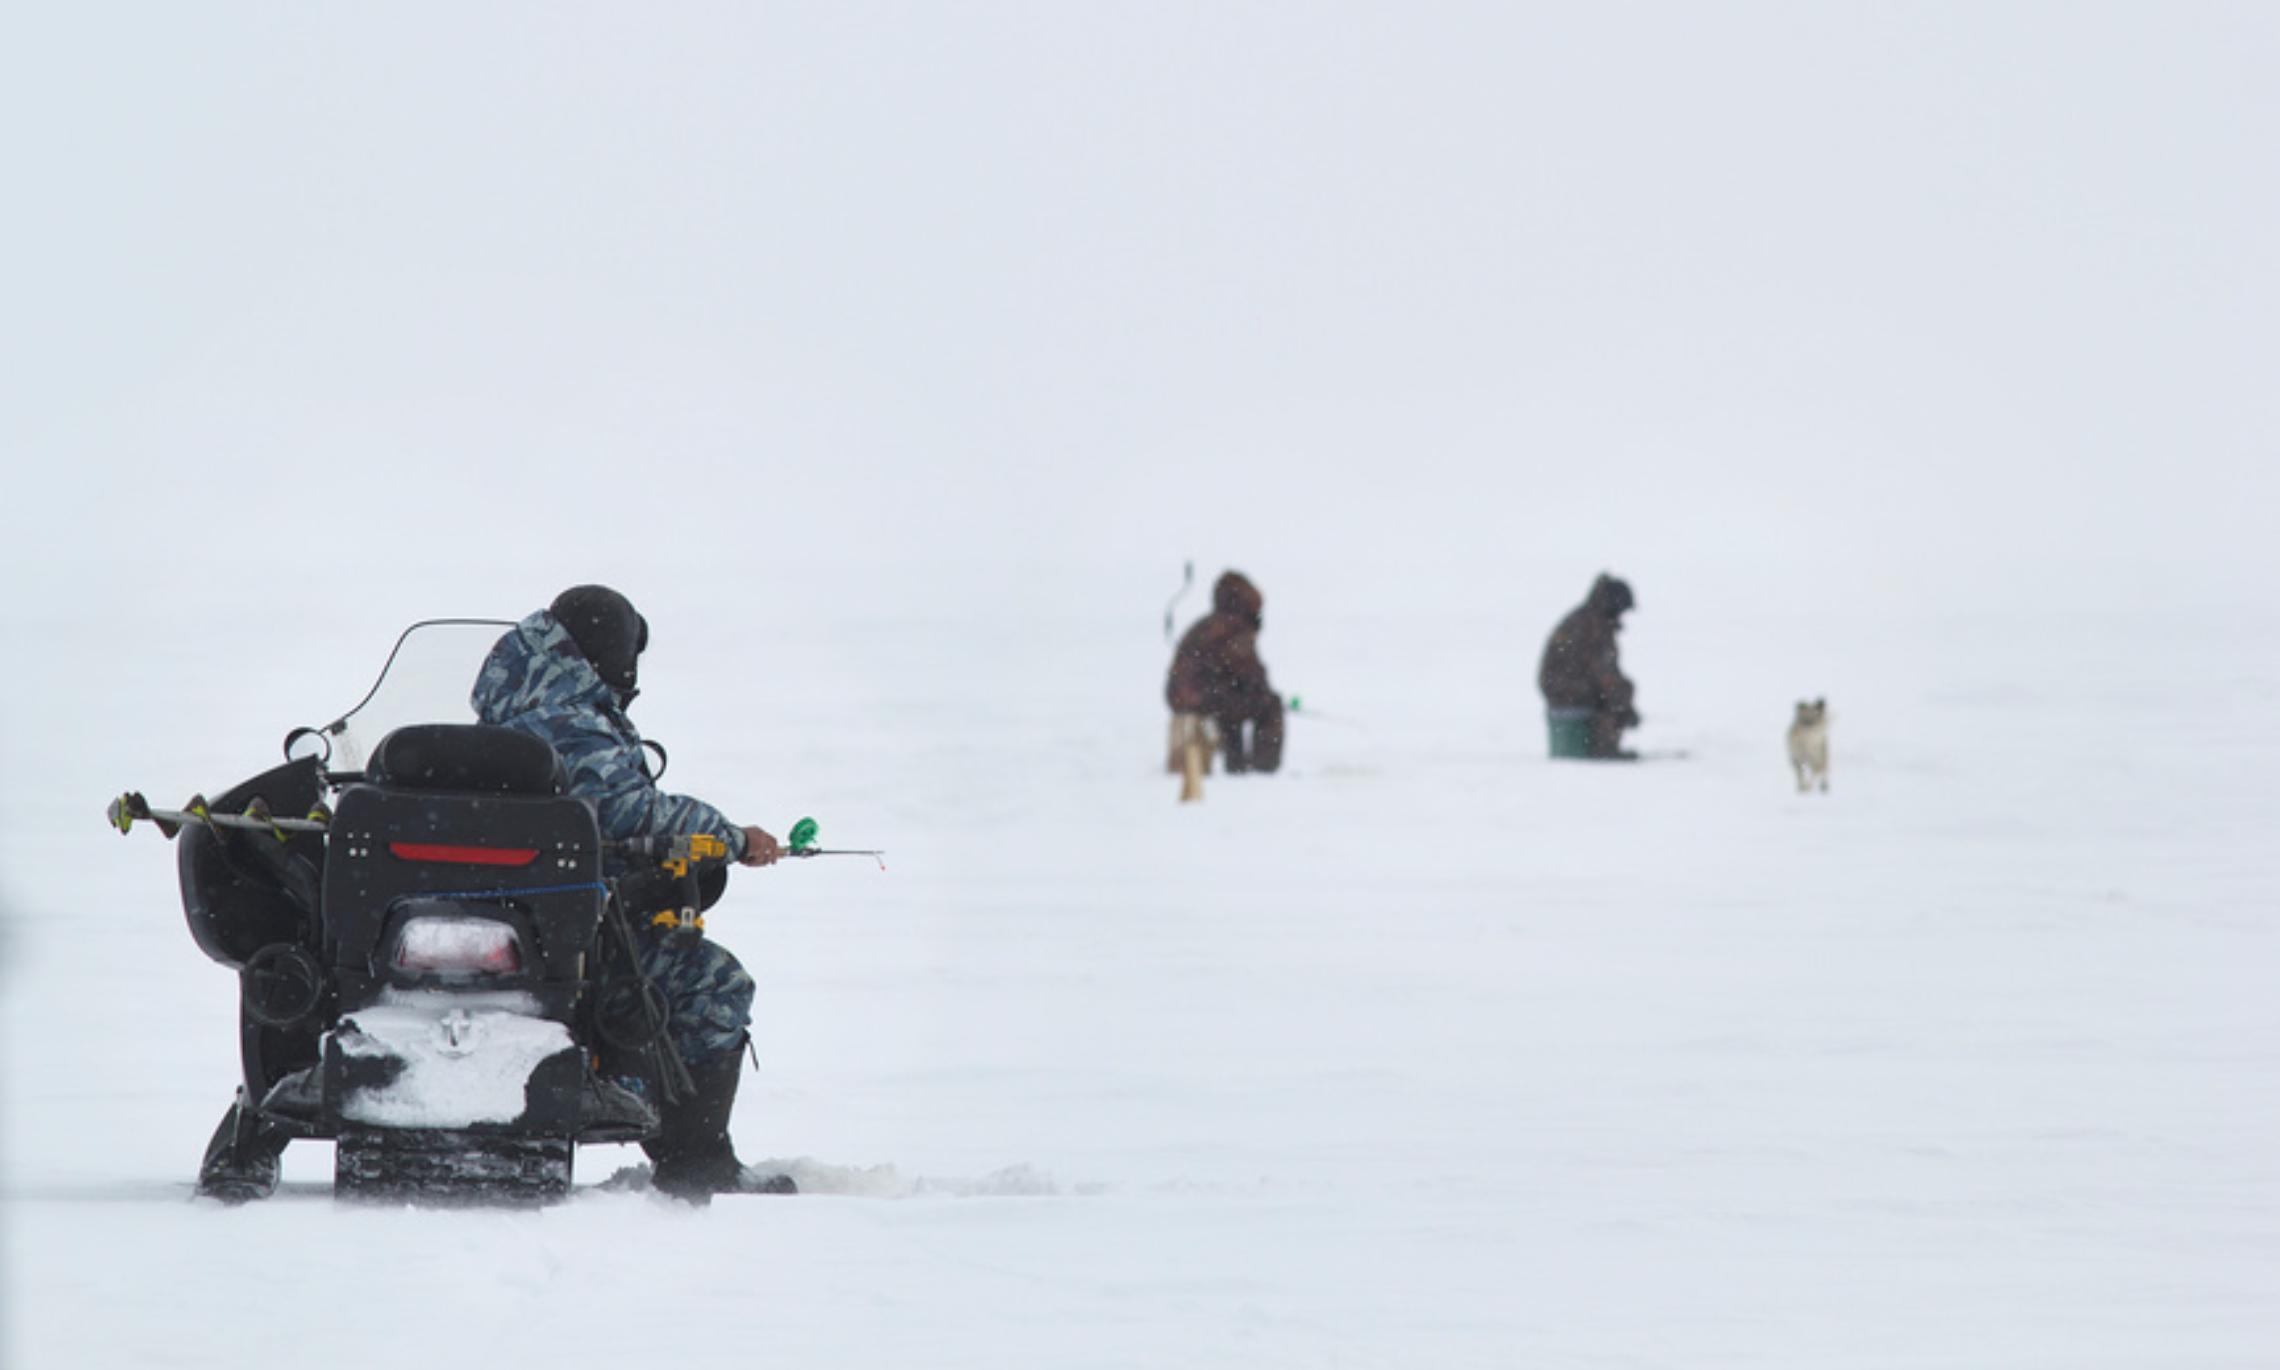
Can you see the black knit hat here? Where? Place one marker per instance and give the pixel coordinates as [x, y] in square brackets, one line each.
[608, 632]
[1611, 597]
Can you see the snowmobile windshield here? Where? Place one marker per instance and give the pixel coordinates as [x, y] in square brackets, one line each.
[426, 678]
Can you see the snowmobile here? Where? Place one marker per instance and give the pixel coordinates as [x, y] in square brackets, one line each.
[435, 973]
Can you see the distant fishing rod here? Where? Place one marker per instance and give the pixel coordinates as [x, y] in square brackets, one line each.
[1297, 709]
[1187, 578]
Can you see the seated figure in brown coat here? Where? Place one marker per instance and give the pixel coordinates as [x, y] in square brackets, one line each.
[1587, 698]
[1216, 673]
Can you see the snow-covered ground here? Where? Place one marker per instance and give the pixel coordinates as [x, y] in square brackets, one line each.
[892, 357]
[1427, 1052]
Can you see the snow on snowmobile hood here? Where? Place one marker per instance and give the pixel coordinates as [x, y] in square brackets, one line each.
[536, 667]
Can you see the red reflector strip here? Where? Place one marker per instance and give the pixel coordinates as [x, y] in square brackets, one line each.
[463, 856]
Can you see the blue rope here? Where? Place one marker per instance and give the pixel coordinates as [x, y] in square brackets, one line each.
[595, 885]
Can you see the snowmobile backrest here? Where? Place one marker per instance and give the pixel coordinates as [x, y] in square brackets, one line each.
[472, 758]
[538, 856]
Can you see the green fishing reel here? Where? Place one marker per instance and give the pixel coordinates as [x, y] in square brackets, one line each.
[801, 842]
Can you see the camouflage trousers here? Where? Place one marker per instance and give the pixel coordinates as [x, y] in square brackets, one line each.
[709, 991]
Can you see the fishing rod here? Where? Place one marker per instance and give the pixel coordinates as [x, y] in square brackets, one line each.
[677, 854]
[801, 842]
[1296, 707]
[1187, 578]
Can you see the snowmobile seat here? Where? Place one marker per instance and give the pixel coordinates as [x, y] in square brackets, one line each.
[468, 758]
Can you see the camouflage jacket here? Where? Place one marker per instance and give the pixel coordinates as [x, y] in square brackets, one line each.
[536, 680]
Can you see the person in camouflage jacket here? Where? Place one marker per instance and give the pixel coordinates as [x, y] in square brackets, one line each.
[538, 679]
[1216, 672]
[566, 675]
[1587, 697]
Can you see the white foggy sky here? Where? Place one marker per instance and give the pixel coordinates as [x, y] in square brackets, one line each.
[1387, 302]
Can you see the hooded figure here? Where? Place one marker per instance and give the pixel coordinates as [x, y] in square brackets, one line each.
[1217, 673]
[566, 675]
[1586, 695]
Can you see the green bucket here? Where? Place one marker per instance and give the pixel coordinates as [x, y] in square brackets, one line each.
[1571, 735]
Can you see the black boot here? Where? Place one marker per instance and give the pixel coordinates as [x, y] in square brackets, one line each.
[241, 1160]
[694, 1157]
[1267, 738]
